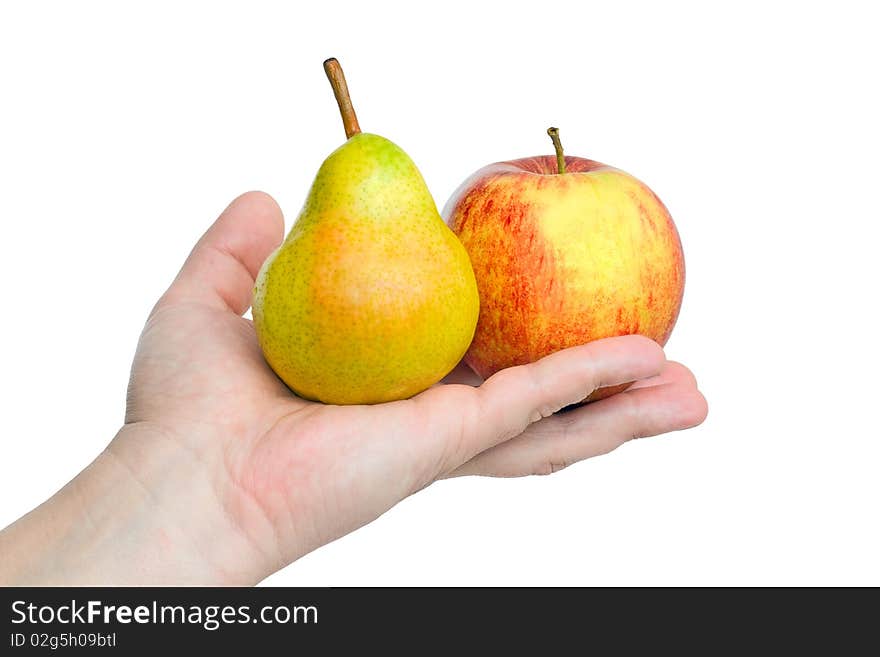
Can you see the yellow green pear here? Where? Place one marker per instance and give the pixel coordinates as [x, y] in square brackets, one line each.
[371, 297]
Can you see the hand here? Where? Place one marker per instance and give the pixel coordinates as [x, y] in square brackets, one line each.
[221, 475]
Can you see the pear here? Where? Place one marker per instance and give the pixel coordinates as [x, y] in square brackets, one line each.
[371, 297]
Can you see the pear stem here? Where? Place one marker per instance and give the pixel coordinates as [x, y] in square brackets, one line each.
[560, 158]
[340, 90]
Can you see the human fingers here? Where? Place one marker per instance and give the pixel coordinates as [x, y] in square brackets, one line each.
[221, 269]
[468, 420]
[596, 428]
[673, 372]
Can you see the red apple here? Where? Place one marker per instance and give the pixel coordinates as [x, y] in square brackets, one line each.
[565, 250]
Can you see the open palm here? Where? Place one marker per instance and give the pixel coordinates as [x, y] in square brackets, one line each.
[230, 455]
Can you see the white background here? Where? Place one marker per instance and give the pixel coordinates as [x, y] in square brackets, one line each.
[124, 132]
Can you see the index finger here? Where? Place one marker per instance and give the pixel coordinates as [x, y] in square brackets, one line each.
[472, 420]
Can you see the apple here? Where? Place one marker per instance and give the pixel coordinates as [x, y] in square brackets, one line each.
[565, 250]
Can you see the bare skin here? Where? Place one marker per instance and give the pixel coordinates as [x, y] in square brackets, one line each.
[220, 475]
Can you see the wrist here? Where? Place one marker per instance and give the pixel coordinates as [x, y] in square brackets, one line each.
[145, 511]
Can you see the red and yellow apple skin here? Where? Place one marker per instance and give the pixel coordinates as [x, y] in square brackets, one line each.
[564, 259]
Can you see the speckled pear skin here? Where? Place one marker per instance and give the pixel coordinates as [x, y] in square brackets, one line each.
[371, 297]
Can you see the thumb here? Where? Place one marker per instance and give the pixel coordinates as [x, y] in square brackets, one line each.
[221, 269]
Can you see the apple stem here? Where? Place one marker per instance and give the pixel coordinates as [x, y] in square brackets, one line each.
[560, 158]
[340, 90]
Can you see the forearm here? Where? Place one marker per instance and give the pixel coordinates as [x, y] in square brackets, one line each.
[67, 539]
[116, 523]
